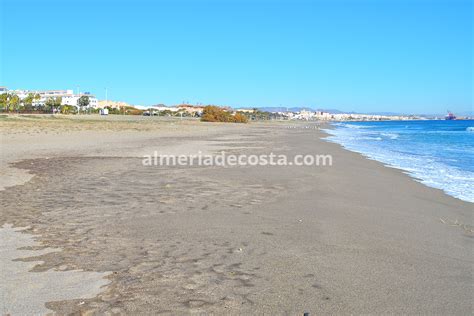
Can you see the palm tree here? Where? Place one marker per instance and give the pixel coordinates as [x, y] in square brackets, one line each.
[13, 102]
[4, 101]
[28, 101]
[53, 103]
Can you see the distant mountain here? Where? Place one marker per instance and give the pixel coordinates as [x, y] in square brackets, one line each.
[334, 111]
[466, 113]
[283, 109]
[298, 109]
[384, 113]
[458, 114]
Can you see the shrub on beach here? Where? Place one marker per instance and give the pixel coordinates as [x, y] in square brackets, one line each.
[240, 118]
[215, 114]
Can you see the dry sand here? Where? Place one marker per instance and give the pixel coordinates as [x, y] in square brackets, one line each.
[356, 237]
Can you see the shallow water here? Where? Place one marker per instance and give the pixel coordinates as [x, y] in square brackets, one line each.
[438, 153]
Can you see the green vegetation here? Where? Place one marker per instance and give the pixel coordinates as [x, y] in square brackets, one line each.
[216, 114]
[52, 104]
[10, 102]
[83, 102]
[28, 102]
[127, 110]
[260, 115]
[68, 109]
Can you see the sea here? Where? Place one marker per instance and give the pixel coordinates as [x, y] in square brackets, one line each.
[439, 154]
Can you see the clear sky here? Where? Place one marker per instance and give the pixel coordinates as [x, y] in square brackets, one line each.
[354, 55]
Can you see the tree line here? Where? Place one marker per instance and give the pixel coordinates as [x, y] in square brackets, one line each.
[12, 103]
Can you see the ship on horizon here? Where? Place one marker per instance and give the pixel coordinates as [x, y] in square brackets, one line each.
[450, 116]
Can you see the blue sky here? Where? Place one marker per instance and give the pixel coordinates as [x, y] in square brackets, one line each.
[353, 55]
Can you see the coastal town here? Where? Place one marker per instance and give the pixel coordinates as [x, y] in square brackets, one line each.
[70, 102]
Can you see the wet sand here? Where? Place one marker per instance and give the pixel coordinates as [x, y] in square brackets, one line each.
[356, 237]
[23, 292]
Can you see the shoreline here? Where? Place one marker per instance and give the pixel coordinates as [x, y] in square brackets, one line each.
[356, 237]
[414, 174]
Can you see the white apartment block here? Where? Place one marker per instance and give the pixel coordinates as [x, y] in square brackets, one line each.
[165, 108]
[68, 97]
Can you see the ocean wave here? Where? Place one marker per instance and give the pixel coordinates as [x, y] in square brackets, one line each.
[454, 182]
[369, 138]
[423, 166]
[357, 126]
[470, 129]
[390, 135]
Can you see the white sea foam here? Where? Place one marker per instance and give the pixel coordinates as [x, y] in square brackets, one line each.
[356, 126]
[427, 170]
[390, 135]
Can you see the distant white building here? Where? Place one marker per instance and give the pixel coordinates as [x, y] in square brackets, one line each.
[245, 110]
[67, 96]
[165, 108]
[324, 116]
[113, 104]
[304, 115]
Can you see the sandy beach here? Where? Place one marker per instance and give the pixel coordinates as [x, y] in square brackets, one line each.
[352, 238]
